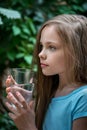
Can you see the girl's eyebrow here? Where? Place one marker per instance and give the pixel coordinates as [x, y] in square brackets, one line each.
[48, 42]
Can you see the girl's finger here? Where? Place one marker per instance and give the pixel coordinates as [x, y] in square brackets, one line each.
[12, 108]
[12, 116]
[8, 89]
[10, 81]
[14, 101]
[12, 89]
[22, 100]
[32, 104]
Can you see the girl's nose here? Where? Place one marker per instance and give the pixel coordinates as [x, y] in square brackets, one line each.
[42, 54]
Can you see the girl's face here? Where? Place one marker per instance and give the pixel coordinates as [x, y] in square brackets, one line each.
[52, 56]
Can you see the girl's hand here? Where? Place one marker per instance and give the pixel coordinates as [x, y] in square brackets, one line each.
[12, 86]
[23, 113]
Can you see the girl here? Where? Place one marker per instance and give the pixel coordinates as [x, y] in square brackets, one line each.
[61, 100]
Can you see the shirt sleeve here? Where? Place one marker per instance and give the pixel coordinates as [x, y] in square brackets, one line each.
[80, 108]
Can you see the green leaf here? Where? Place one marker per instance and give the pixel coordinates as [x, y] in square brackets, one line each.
[10, 13]
[32, 39]
[24, 36]
[32, 26]
[1, 21]
[28, 59]
[16, 30]
[25, 29]
[75, 7]
[21, 48]
[20, 55]
[11, 56]
[30, 46]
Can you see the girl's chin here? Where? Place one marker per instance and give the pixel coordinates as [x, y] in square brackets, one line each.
[48, 74]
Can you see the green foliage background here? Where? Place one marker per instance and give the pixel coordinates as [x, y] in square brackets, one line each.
[18, 35]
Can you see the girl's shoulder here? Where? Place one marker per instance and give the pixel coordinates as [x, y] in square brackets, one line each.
[79, 102]
[74, 95]
[79, 94]
[82, 90]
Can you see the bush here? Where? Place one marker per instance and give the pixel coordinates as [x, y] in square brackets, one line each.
[6, 123]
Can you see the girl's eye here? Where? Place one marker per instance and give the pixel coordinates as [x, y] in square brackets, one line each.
[40, 48]
[52, 48]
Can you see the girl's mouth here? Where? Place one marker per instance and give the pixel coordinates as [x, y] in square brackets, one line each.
[43, 65]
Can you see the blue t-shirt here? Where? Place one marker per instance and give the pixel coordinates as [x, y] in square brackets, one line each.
[63, 110]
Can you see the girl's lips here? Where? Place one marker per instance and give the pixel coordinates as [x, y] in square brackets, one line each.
[43, 65]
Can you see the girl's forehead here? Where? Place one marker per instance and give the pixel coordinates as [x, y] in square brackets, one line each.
[50, 34]
[49, 26]
[49, 30]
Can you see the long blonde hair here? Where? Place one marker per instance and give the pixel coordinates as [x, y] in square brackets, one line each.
[72, 30]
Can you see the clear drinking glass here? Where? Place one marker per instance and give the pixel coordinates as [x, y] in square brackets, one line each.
[24, 78]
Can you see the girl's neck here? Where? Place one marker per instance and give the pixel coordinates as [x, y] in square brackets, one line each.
[65, 87]
[65, 81]
[62, 82]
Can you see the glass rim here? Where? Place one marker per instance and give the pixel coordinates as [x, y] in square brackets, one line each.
[21, 70]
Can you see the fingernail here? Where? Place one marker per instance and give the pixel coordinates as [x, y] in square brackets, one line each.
[8, 89]
[9, 76]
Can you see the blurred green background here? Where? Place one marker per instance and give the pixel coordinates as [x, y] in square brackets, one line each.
[20, 21]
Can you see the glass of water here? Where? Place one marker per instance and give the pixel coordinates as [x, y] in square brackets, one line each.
[23, 78]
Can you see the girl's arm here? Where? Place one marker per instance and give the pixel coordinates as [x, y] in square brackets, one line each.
[80, 124]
